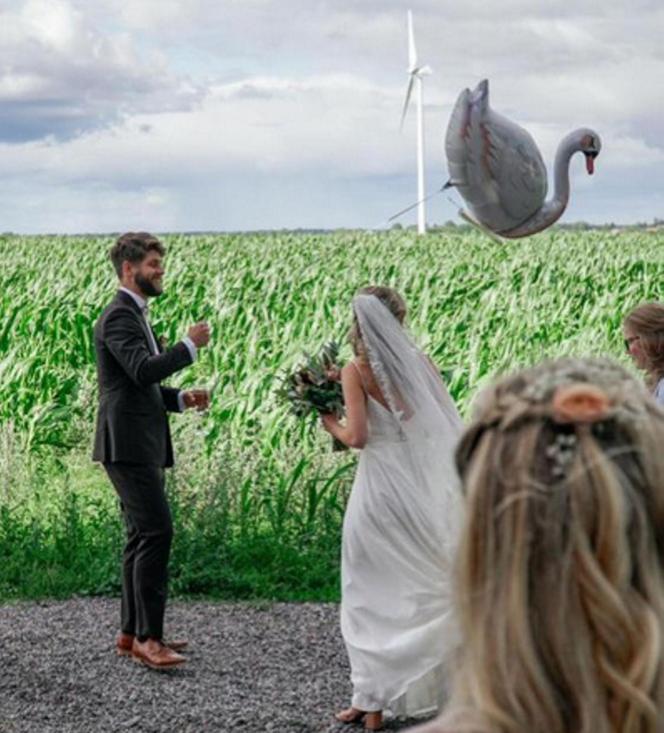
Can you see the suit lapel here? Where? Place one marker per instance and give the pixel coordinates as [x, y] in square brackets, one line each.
[125, 299]
[156, 340]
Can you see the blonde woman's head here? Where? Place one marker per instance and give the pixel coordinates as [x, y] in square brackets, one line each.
[390, 299]
[560, 584]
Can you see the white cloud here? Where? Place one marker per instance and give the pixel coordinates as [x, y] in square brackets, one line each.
[54, 23]
[61, 76]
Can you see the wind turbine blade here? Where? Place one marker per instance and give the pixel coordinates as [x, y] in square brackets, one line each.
[412, 52]
[409, 91]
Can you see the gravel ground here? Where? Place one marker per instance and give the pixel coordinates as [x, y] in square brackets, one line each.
[271, 667]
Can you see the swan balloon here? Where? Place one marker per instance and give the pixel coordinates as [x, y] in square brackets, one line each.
[497, 168]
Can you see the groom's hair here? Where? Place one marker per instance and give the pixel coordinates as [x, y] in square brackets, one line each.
[133, 247]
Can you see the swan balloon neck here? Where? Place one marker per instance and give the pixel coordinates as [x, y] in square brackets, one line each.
[583, 140]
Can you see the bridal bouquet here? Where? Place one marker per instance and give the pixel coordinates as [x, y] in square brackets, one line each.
[309, 390]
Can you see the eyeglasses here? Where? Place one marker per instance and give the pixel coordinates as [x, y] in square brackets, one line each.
[629, 341]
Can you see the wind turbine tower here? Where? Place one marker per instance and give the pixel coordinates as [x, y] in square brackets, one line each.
[415, 76]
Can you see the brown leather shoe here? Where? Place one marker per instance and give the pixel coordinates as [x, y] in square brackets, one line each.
[177, 645]
[155, 655]
[123, 644]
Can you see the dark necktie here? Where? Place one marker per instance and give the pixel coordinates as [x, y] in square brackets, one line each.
[146, 312]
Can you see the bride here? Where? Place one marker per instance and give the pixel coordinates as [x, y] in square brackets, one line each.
[402, 518]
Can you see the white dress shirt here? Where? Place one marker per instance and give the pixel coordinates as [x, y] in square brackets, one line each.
[143, 307]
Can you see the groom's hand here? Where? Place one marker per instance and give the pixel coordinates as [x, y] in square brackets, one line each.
[199, 333]
[198, 398]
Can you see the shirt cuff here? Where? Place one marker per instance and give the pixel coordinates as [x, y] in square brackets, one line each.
[191, 346]
[181, 404]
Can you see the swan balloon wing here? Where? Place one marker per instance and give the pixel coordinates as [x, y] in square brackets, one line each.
[517, 167]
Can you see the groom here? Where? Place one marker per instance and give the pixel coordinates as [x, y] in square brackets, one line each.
[133, 440]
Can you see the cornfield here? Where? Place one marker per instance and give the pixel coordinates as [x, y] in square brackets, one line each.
[479, 308]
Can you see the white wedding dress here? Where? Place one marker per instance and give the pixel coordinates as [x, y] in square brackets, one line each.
[400, 530]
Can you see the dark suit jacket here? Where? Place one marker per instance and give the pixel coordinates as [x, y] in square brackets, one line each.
[132, 424]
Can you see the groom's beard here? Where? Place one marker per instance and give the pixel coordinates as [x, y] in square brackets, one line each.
[147, 286]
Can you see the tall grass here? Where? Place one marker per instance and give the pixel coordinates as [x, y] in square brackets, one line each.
[257, 499]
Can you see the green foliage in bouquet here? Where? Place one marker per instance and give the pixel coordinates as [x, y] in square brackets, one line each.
[310, 391]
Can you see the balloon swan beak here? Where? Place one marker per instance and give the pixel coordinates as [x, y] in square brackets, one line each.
[590, 164]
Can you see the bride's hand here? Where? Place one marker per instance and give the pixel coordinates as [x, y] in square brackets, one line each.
[328, 421]
[334, 374]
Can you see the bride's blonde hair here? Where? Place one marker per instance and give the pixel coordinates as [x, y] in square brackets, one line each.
[560, 586]
[391, 299]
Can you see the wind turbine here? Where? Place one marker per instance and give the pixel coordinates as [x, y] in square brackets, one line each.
[416, 73]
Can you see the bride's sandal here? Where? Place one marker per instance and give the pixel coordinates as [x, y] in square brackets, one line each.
[350, 715]
[373, 721]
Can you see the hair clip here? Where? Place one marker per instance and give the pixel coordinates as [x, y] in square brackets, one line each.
[561, 453]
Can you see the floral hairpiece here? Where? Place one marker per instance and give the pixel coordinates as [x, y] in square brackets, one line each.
[573, 371]
[579, 403]
[581, 392]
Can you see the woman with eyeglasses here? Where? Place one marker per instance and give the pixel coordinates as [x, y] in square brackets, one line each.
[643, 330]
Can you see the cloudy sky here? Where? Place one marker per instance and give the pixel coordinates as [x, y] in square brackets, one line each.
[169, 115]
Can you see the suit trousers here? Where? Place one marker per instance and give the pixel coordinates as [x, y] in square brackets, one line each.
[141, 489]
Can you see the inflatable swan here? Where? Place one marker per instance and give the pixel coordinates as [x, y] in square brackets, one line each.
[497, 168]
